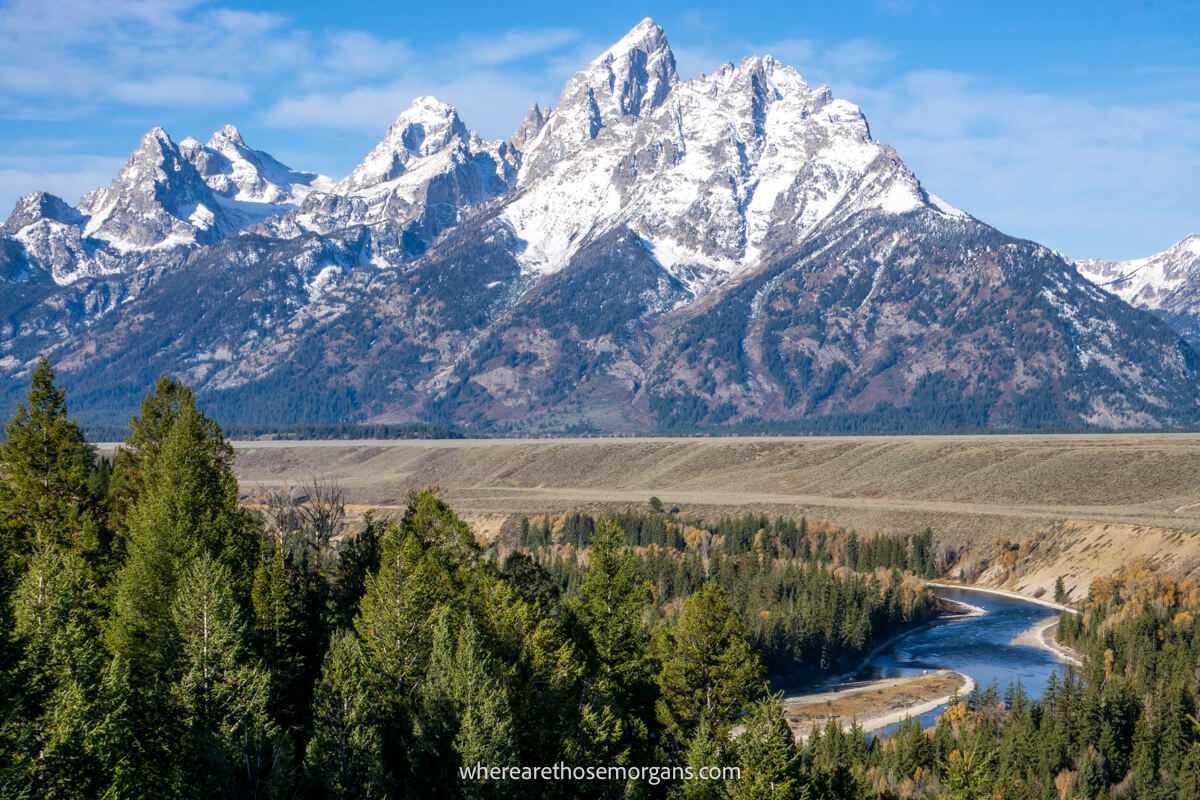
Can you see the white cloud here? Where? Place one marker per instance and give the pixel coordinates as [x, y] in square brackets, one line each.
[514, 44]
[52, 174]
[181, 90]
[1078, 174]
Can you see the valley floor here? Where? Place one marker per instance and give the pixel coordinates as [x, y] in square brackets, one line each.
[968, 489]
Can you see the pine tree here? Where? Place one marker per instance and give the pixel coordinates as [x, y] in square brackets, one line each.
[708, 670]
[147, 434]
[704, 752]
[395, 623]
[233, 747]
[345, 753]
[1187, 783]
[188, 506]
[767, 754]
[60, 672]
[358, 558]
[289, 600]
[45, 463]
[463, 716]
[619, 705]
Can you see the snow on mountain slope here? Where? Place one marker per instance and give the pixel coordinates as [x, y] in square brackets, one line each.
[630, 79]
[426, 173]
[1149, 282]
[1167, 283]
[166, 196]
[254, 180]
[157, 201]
[712, 172]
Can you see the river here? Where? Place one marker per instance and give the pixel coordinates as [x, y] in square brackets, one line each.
[978, 646]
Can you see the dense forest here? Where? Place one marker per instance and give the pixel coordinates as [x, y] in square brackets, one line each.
[160, 639]
[813, 597]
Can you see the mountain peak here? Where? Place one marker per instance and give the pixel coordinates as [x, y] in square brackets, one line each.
[629, 79]
[425, 128]
[226, 134]
[530, 127]
[37, 206]
[633, 76]
[646, 37]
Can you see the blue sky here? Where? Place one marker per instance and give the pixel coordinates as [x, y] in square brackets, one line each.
[1075, 124]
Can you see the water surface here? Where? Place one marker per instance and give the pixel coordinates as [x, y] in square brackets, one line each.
[979, 646]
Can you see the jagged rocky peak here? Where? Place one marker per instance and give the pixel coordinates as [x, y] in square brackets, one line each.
[1152, 281]
[728, 168]
[1167, 283]
[425, 128]
[227, 137]
[530, 127]
[629, 79]
[37, 206]
[157, 200]
[234, 170]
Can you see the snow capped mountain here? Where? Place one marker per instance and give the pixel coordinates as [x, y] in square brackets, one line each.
[158, 200]
[631, 78]
[712, 173]
[425, 174]
[1167, 283]
[251, 178]
[166, 196]
[651, 254]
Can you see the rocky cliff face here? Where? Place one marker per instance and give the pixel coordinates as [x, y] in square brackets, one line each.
[729, 251]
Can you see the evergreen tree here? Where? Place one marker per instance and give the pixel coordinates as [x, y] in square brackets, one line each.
[395, 621]
[60, 672]
[357, 558]
[189, 505]
[619, 704]
[45, 463]
[1187, 784]
[704, 752]
[232, 746]
[345, 752]
[708, 670]
[148, 433]
[464, 716]
[768, 757]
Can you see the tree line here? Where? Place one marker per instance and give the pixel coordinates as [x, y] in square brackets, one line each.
[160, 639]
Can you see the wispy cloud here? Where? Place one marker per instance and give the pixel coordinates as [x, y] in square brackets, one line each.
[66, 177]
[514, 45]
[1092, 174]
[1062, 170]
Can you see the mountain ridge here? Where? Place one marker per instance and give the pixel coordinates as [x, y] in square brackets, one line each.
[732, 250]
[1166, 283]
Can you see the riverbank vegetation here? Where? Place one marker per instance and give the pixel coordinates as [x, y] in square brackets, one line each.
[158, 639]
[814, 598]
[161, 640]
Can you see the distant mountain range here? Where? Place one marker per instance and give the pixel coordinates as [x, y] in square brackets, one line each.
[1167, 284]
[729, 252]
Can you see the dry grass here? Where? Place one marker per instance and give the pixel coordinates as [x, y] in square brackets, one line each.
[967, 488]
